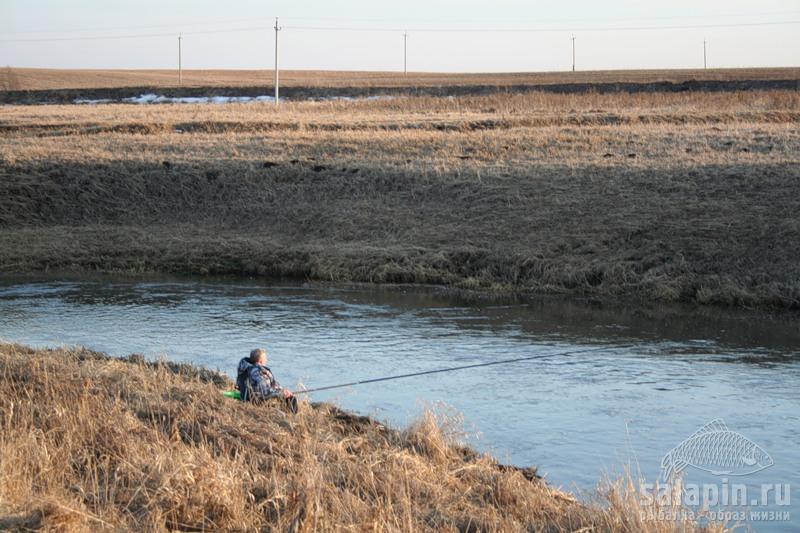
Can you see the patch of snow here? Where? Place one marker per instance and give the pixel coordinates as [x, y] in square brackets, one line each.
[152, 98]
[92, 102]
[189, 100]
[230, 99]
[148, 98]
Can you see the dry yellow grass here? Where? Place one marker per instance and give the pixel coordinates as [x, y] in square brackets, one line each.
[31, 79]
[665, 196]
[90, 443]
[44, 86]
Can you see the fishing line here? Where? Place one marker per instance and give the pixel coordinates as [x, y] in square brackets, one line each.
[463, 367]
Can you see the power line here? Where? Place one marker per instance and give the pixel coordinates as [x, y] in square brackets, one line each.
[543, 29]
[410, 30]
[183, 25]
[569, 20]
[134, 36]
[174, 26]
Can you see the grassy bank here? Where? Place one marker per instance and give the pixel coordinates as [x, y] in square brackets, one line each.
[671, 197]
[91, 443]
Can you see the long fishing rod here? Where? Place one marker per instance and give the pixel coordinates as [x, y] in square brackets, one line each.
[464, 367]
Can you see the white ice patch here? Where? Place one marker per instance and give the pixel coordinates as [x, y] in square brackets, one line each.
[151, 98]
[157, 99]
[148, 98]
[92, 102]
[190, 100]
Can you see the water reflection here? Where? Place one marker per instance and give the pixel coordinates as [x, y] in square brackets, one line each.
[690, 328]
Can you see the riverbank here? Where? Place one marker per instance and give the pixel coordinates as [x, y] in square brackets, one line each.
[91, 442]
[686, 197]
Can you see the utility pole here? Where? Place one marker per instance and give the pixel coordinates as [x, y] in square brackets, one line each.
[277, 29]
[405, 52]
[180, 65]
[573, 53]
[705, 60]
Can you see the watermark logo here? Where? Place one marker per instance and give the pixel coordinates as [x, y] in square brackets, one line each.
[716, 449]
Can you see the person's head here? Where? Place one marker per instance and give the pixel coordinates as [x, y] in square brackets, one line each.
[258, 356]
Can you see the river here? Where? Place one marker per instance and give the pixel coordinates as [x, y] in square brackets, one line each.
[657, 374]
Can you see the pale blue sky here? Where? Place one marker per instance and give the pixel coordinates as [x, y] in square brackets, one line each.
[775, 45]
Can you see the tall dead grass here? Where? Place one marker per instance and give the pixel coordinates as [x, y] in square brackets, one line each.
[414, 111]
[90, 443]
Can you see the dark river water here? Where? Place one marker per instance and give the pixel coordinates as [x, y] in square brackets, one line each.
[659, 374]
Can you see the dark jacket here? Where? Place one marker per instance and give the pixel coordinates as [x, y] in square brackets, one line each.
[256, 382]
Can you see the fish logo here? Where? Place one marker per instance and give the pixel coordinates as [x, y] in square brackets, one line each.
[716, 449]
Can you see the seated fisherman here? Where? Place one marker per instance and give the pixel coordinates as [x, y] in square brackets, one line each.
[256, 382]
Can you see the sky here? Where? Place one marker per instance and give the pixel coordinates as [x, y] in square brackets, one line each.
[443, 35]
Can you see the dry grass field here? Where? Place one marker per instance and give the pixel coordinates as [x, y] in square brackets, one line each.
[48, 86]
[31, 79]
[662, 196]
[90, 443]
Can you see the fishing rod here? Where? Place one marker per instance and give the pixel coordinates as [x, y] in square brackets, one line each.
[463, 367]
